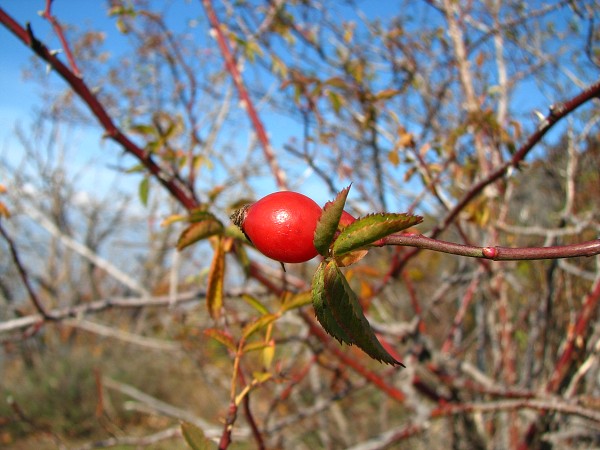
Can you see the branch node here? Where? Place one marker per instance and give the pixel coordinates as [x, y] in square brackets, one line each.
[490, 252]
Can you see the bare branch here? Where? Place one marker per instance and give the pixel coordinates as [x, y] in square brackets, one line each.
[175, 186]
[25, 277]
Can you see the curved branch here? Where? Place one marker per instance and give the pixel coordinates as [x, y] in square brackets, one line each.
[557, 112]
[173, 184]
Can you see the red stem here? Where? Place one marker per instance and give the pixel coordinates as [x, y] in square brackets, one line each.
[232, 68]
[557, 112]
[47, 14]
[589, 248]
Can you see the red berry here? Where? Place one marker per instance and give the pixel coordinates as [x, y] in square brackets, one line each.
[281, 226]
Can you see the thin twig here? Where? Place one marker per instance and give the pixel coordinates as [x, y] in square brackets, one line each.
[37, 302]
[232, 68]
[172, 183]
[47, 14]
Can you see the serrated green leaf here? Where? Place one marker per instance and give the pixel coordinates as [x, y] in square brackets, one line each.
[195, 437]
[349, 315]
[144, 190]
[328, 222]
[371, 228]
[322, 310]
[197, 231]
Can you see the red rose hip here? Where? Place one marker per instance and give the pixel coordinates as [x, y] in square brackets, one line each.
[281, 226]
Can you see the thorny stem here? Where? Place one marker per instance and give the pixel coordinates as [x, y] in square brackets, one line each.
[496, 253]
[172, 183]
[557, 112]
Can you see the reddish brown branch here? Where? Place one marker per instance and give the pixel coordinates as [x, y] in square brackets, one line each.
[557, 112]
[24, 277]
[575, 342]
[232, 68]
[355, 365]
[589, 248]
[260, 443]
[174, 185]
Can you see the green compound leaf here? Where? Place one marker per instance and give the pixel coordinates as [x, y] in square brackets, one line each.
[347, 312]
[328, 223]
[322, 309]
[371, 228]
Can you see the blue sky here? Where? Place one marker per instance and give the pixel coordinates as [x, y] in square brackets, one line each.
[20, 97]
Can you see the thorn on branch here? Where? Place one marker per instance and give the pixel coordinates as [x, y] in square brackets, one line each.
[34, 43]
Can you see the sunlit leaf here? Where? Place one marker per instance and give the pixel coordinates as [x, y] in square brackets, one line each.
[197, 231]
[195, 437]
[221, 337]
[348, 313]
[261, 377]
[336, 100]
[386, 94]
[144, 190]
[393, 157]
[144, 129]
[371, 228]
[296, 301]
[328, 222]
[255, 346]
[347, 259]
[255, 303]
[4, 211]
[259, 323]
[268, 354]
[337, 82]
[216, 275]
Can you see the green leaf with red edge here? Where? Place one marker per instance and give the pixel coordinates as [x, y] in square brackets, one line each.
[216, 276]
[349, 315]
[322, 310]
[195, 437]
[197, 231]
[371, 228]
[328, 223]
[222, 337]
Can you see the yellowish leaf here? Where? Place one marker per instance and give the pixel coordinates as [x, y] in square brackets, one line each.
[216, 275]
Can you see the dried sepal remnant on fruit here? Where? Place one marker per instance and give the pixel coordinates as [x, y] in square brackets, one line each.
[281, 226]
